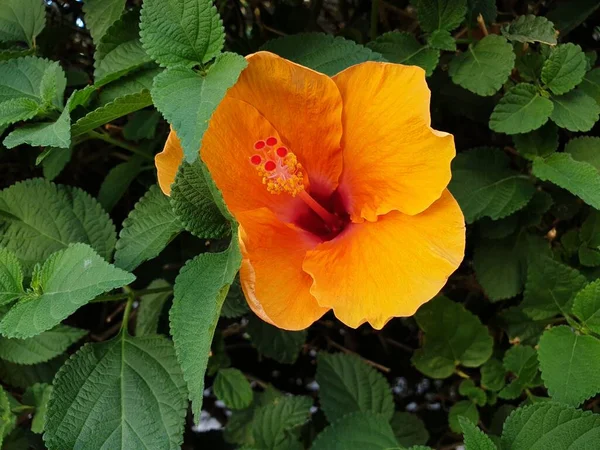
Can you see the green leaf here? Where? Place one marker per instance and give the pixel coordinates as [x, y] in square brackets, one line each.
[530, 28]
[40, 348]
[575, 111]
[403, 48]
[564, 69]
[232, 387]
[200, 289]
[187, 99]
[487, 8]
[68, 279]
[586, 306]
[193, 202]
[522, 109]
[119, 107]
[131, 389]
[38, 396]
[475, 439]
[465, 410]
[17, 109]
[150, 308]
[11, 277]
[409, 429]
[8, 420]
[273, 423]
[22, 20]
[100, 15]
[440, 14]
[520, 327]
[444, 345]
[141, 125]
[551, 288]
[529, 64]
[492, 375]
[442, 40]
[541, 142]
[135, 83]
[148, 229]
[522, 362]
[579, 178]
[120, 50]
[484, 186]
[43, 134]
[550, 425]
[281, 345]
[585, 149]
[24, 376]
[485, 66]
[69, 215]
[357, 431]
[118, 180]
[570, 365]
[347, 384]
[235, 306]
[467, 388]
[321, 52]
[181, 32]
[568, 15]
[591, 84]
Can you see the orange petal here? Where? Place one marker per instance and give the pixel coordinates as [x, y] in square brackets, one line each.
[276, 287]
[393, 159]
[304, 106]
[168, 161]
[374, 271]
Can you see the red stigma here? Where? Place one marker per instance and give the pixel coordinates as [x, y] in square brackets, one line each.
[256, 160]
[259, 144]
[271, 141]
[270, 166]
[281, 152]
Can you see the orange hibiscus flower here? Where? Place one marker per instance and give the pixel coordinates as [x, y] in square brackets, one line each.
[339, 187]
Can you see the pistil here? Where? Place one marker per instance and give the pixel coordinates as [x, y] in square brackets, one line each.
[333, 222]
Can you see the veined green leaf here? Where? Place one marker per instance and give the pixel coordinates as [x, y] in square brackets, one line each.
[232, 387]
[531, 28]
[403, 48]
[22, 20]
[564, 69]
[522, 109]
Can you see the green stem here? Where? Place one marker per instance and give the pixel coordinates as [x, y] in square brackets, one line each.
[125, 295]
[461, 374]
[118, 143]
[127, 311]
[374, 18]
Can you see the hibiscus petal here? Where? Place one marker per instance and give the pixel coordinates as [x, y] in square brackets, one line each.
[374, 271]
[276, 287]
[304, 106]
[168, 161]
[393, 159]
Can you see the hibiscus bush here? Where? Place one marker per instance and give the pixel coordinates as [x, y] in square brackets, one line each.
[299, 224]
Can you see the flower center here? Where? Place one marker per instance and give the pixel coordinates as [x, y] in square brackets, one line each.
[281, 172]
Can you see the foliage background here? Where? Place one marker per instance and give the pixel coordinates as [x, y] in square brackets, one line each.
[518, 326]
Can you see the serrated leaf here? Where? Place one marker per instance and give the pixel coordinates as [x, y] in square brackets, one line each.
[484, 67]
[235, 305]
[492, 375]
[409, 429]
[442, 40]
[444, 345]
[272, 423]
[591, 84]
[522, 362]
[551, 425]
[281, 345]
[119, 107]
[148, 229]
[579, 178]
[193, 202]
[40, 348]
[43, 134]
[8, 420]
[467, 388]
[589, 238]
[22, 20]
[440, 14]
[530, 28]
[17, 109]
[475, 439]
[521, 110]
[585, 149]
[357, 431]
[575, 111]
[187, 99]
[54, 161]
[11, 277]
[69, 215]
[403, 48]
[520, 327]
[118, 180]
[541, 142]
[484, 186]
[564, 69]
[551, 288]
[38, 396]
[151, 306]
[321, 52]
[200, 289]
[347, 384]
[141, 125]
[181, 32]
[100, 15]
[21, 376]
[68, 279]
[134, 83]
[233, 389]
[130, 388]
[465, 410]
[586, 306]
[570, 365]
[529, 65]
